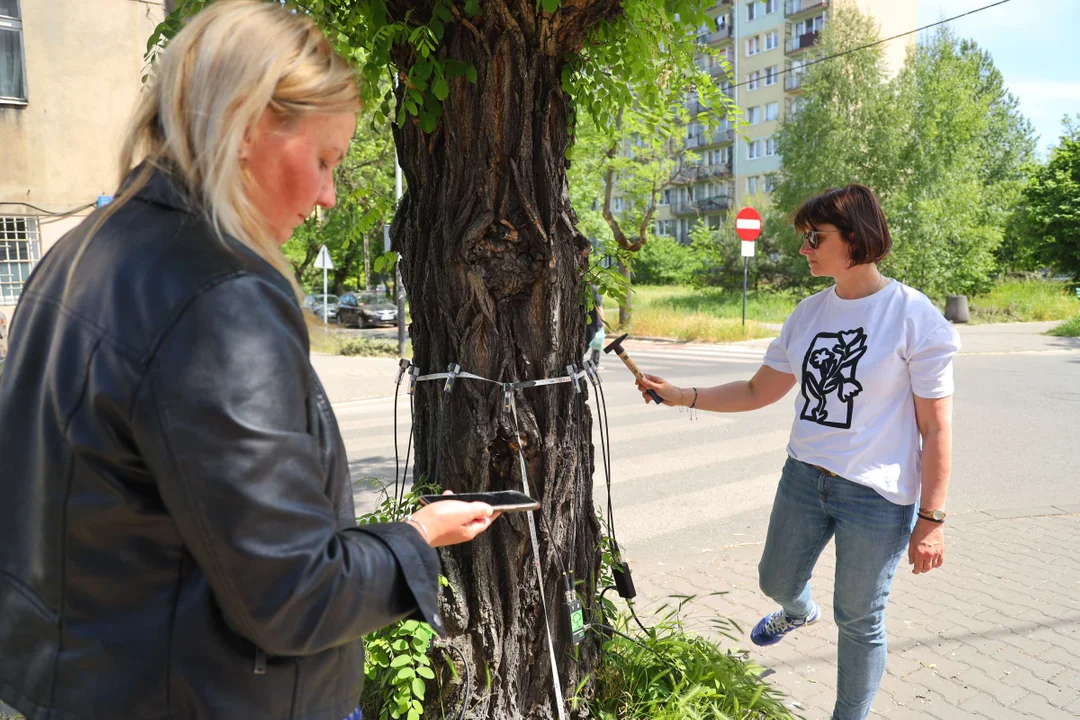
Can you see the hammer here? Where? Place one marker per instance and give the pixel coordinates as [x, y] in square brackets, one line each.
[616, 345]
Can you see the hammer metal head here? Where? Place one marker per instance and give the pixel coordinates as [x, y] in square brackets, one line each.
[616, 344]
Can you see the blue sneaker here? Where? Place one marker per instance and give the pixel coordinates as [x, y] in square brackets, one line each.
[772, 628]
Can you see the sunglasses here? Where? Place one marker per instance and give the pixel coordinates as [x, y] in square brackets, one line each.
[813, 237]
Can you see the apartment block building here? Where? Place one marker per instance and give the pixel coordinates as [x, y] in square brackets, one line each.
[70, 73]
[767, 43]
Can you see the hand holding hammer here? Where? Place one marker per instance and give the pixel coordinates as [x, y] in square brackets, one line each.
[616, 346]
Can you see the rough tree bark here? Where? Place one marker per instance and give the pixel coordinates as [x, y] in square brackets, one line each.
[493, 263]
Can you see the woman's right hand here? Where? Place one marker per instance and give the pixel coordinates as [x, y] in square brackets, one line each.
[449, 522]
[672, 395]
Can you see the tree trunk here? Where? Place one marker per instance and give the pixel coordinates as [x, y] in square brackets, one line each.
[493, 262]
[367, 264]
[626, 310]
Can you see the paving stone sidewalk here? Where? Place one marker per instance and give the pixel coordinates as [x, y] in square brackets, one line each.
[994, 633]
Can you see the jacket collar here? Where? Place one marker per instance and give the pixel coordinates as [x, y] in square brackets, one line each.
[164, 188]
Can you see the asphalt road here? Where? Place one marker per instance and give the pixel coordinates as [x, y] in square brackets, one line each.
[693, 483]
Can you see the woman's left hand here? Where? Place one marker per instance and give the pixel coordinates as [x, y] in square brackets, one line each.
[926, 550]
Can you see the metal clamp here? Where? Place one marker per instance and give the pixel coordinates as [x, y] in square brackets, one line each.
[452, 372]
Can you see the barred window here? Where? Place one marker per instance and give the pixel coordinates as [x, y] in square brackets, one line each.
[20, 249]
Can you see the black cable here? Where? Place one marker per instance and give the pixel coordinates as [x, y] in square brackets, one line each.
[408, 450]
[879, 42]
[468, 676]
[397, 462]
[51, 213]
[439, 437]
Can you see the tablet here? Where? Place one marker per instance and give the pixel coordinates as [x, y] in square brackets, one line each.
[501, 500]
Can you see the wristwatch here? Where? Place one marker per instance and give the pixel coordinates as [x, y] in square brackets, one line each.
[937, 516]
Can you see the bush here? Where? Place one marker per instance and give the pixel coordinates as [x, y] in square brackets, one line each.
[367, 347]
[1024, 301]
[663, 261]
[1069, 328]
[670, 673]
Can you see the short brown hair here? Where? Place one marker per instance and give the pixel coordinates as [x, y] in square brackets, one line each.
[857, 214]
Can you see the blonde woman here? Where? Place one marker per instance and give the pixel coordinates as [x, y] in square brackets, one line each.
[177, 533]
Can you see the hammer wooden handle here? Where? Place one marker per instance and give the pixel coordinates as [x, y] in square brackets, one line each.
[637, 373]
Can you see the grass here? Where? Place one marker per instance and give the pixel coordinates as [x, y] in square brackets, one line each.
[1069, 328]
[334, 343]
[714, 315]
[710, 315]
[1023, 301]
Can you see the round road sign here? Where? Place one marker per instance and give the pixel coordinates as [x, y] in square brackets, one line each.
[748, 224]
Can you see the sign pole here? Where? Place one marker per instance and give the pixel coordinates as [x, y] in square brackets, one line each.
[745, 262]
[326, 310]
[747, 227]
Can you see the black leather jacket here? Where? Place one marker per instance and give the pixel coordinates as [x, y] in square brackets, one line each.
[177, 532]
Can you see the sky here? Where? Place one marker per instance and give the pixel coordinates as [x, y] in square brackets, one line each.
[1036, 46]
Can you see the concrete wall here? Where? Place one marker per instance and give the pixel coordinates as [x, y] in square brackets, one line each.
[83, 68]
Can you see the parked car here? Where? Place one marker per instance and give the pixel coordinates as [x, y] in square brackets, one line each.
[324, 306]
[365, 310]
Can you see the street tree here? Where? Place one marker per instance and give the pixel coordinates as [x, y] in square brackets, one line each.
[484, 100]
[942, 144]
[961, 167]
[846, 129]
[1051, 208]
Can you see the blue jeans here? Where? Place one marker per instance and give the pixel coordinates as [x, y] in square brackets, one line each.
[872, 534]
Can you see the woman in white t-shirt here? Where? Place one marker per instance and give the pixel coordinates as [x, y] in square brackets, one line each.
[872, 435]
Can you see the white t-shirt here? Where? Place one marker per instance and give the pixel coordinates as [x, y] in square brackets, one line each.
[859, 362]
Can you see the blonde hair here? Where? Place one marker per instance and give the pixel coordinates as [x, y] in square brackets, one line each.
[230, 63]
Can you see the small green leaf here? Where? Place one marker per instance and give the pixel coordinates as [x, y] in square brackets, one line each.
[550, 5]
[425, 672]
[428, 122]
[472, 8]
[441, 88]
[470, 73]
[418, 687]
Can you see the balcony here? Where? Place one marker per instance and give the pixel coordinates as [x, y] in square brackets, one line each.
[718, 203]
[712, 172]
[718, 71]
[793, 81]
[797, 7]
[799, 43]
[715, 37]
[703, 140]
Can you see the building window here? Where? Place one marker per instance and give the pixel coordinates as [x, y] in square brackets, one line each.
[770, 148]
[20, 249]
[771, 73]
[772, 39]
[752, 10]
[617, 204]
[753, 150]
[12, 57]
[753, 115]
[752, 185]
[665, 197]
[772, 111]
[770, 185]
[753, 80]
[771, 5]
[753, 46]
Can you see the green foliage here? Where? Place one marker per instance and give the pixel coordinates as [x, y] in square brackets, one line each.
[1023, 301]
[1050, 217]
[367, 347]
[664, 261]
[1069, 328]
[671, 673]
[943, 145]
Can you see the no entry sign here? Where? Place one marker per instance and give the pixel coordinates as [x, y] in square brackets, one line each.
[748, 224]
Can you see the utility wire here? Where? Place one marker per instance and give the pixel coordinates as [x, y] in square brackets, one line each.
[878, 42]
[50, 213]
